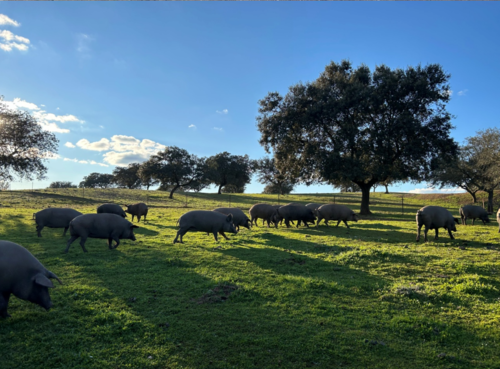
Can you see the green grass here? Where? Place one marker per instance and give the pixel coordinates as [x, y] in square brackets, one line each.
[368, 297]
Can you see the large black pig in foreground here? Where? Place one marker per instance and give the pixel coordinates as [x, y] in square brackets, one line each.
[22, 275]
[106, 226]
[205, 221]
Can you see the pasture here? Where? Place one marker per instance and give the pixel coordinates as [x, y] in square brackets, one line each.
[365, 297]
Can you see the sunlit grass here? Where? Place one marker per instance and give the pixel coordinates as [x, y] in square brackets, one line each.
[292, 298]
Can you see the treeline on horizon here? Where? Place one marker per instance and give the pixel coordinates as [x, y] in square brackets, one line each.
[351, 128]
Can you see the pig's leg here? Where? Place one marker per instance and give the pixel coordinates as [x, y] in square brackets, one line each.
[38, 230]
[65, 230]
[418, 232]
[117, 240]
[426, 229]
[110, 243]
[70, 241]
[139, 219]
[338, 223]
[181, 233]
[215, 236]
[83, 239]
[223, 235]
[451, 236]
[437, 233]
[473, 220]
[4, 302]
[347, 225]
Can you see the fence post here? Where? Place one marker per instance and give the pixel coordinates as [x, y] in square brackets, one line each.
[229, 200]
[402, 205]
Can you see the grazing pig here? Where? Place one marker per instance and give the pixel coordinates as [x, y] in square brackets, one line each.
[473, 212]
[341, 213]
[138, 210]
[205, 221]
[22, 275]
[264, 211]
[295, 212]
[111, 209]
[106, 226]
[239, 217]
[435, 217]
[54, 218]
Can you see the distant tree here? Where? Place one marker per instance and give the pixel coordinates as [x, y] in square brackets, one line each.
[345, 186]
[4, 185]
[97, 180]
[233, 189]
[146, 173]
[128, 177]
[285, 189]
[277, 181]
[484, 151]
[225, 169]
[176, 169]
[62, 184]
[24, 145]
[354, 125]
[461, 172]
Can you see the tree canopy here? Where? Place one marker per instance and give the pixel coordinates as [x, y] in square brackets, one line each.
[484, 151]
[62, 184]
[175, 168]
[128, 176]
[360, 126]
[276, 181]
[97, 180]
[24, 145]
[225, 169]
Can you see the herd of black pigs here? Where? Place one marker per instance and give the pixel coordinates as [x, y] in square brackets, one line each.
[24, 276]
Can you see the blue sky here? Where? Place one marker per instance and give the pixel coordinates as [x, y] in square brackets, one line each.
[120, 80]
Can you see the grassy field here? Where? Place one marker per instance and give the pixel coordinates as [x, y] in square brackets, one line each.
[367, 297]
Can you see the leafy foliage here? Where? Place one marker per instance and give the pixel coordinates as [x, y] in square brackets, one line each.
[277, 181]
[62, 184]
[128, 177]
[225, 169]
[175, 168]
[24, 145]
[97, 180]
[146, 174]
[360, 126]
[484, 151]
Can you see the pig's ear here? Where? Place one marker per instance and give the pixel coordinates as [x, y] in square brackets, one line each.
[134, 226]
[43, 281]
[229, 218]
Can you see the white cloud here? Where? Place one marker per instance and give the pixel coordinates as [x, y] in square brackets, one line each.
[224, 111]
[83, 44]
[69, 144]
[6, 21]
[52, 127]
[123, 150]
[219, 129]
[101, 127]
[12, 41]
[192, 126]
[462, 93]
[101, 145]
[435, 190]
[46, 120]
[92, 162]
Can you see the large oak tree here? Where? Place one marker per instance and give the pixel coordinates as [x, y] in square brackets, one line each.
[24, 145]
[234, 171]
[175, 168]
[360, 126]
[128, 177]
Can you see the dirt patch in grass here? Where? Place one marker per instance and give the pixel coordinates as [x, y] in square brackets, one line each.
[219, 293]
